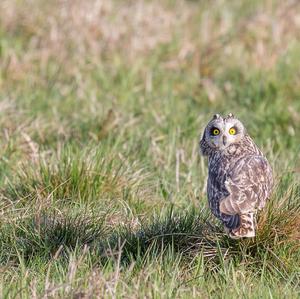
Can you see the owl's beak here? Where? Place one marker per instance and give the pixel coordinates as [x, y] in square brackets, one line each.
[224, 140]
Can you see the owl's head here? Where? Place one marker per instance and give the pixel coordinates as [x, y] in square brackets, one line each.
[221, 132]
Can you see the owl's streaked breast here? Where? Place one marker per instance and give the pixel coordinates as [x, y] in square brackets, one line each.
[216, 189]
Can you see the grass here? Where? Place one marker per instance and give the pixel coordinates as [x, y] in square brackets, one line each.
[102, 104]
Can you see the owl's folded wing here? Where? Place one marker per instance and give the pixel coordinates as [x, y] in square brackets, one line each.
[249, 183]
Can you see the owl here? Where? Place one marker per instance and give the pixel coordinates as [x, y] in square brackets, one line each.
[239, 176]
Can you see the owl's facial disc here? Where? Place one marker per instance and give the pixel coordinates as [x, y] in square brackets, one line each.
[222, 132]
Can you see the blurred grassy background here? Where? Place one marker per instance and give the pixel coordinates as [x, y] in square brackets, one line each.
[102, 104]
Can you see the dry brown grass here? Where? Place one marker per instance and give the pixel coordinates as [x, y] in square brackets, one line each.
[80, 32]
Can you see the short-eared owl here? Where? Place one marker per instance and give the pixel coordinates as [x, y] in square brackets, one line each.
[239, 176]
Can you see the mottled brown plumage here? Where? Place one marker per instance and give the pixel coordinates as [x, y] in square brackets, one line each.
[239, 176]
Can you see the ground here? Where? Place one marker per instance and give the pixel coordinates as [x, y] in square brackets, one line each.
[102, 104]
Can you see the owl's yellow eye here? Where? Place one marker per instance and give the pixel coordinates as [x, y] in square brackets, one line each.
[215, 132]
[232, 131]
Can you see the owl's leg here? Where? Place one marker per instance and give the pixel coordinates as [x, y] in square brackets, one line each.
[246, 229]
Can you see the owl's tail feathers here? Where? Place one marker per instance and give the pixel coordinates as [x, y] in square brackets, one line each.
[246, 228]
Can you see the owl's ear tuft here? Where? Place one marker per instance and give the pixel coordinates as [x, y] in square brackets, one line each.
[216, 116]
